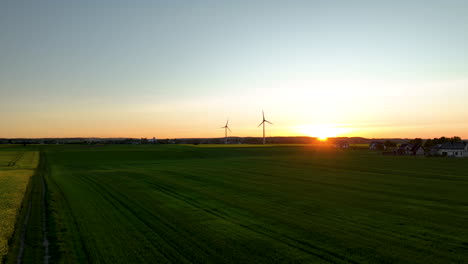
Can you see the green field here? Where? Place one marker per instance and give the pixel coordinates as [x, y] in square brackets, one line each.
[16, 168]
[290, 204]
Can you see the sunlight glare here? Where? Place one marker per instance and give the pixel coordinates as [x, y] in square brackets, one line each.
[323, 131]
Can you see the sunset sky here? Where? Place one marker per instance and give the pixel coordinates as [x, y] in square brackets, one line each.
[180, 68]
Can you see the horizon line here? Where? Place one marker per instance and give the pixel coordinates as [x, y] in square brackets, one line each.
[318, 138]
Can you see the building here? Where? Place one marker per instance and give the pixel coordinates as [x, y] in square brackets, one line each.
[458, 149]
[435, 150]
[341, 144]
[403, 149]
[376, 145]
[417, 150]
[410, 150]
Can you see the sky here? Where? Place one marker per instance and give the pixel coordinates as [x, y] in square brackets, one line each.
[172, 69]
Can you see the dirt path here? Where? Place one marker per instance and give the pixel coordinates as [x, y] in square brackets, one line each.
[45, 241]
[23, 233]
[33, 243]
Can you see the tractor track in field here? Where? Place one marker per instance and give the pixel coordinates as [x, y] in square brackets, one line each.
[13, 162]
[45, 241]
[74, 221]
[304, 246]
[38, 186]
[19, 258]
[112, 199]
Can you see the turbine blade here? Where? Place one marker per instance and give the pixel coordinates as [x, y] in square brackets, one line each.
[229, 129]
[263, 114]
[227, 122]
[261, 123]
[269, 122]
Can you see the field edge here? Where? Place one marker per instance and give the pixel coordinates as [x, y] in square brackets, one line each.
[26, 244]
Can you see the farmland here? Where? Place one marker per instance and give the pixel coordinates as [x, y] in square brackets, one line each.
[16, 168]
[274, 204]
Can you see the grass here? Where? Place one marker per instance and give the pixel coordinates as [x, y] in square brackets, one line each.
[289, 204]
[363, 146]
[16, 168]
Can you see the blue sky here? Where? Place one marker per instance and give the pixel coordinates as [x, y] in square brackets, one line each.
[179, 68]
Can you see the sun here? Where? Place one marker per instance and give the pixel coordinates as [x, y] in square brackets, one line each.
[322, 131]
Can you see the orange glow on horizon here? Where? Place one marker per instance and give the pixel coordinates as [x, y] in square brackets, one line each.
[137, 127]
[323, 131]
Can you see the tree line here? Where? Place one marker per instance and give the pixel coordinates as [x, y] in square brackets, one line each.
[428, 143]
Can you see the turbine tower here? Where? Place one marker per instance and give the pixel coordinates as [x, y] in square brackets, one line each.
[263, 123]
[226, 128]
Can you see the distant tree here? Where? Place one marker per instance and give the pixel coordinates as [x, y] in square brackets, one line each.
[417, 141]
[442, 140]
[429, 143]
[389, 143]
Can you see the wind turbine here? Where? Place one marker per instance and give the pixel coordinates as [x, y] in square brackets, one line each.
[226, 128]
[263, 123]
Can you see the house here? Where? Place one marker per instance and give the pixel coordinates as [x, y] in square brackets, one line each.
[403, 149]
[341, 144]
[410, 150]
[458, 149]
[376, 145]
[435, 150]
[417, 150]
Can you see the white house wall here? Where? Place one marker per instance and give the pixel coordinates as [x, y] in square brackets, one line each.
[451, 153]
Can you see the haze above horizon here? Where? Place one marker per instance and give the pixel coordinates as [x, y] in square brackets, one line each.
[171, 69]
